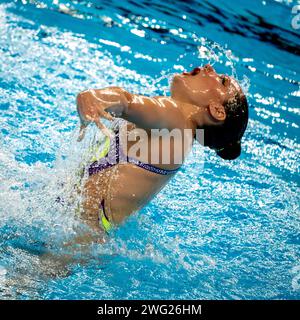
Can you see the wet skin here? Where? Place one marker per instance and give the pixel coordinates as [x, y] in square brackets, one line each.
[196, 100]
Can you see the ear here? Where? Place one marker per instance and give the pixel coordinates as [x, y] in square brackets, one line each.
[217, 111]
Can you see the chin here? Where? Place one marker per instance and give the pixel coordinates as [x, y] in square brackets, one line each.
[177, 76]
[173, 84]
[176, 79]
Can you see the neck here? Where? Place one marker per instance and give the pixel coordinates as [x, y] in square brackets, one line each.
[197, 115]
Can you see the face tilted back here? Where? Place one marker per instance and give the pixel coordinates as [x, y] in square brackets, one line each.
[204, 87]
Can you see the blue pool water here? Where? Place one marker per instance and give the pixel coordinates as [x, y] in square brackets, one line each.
[219, 230]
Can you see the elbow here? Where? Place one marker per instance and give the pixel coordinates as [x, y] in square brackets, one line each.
[80, 96]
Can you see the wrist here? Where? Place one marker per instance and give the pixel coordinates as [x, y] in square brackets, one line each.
[120, 109]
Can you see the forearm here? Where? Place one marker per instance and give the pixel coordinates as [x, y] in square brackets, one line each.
[112, 99]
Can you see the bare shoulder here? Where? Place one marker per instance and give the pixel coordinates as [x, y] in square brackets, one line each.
[167, 101]
[184, 110]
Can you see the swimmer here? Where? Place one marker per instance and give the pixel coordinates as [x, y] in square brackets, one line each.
[200, 99]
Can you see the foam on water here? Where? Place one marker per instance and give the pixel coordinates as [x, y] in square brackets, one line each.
[217, 229]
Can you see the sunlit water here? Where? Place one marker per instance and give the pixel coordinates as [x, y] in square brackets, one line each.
[219, 230]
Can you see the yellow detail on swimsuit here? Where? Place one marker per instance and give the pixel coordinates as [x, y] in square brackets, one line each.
[98, 151]
[95, 152]
[107, 226]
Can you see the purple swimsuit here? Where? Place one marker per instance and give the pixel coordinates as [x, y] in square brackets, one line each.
[116, 155]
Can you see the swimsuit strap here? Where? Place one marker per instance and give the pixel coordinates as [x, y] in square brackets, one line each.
[143, 165]
[151, 167]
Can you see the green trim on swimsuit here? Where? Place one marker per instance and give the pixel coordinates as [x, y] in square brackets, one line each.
[107, 226]
[99, 151]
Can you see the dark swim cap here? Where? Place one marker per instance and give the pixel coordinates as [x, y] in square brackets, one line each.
[230, 152]
[226, 139]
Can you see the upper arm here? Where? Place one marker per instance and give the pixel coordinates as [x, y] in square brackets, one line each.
[146, 112]
[154, 112]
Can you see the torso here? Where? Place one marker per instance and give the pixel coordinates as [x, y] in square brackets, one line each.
[125, 187]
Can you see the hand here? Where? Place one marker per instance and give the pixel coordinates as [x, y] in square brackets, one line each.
[90, 108]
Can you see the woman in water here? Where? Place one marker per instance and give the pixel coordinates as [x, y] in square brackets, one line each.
[123, 179]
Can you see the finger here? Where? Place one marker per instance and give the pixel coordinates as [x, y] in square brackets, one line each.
[107, 116]
[85, 120]
[103, 128]
[81, 132]
[89, 118]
